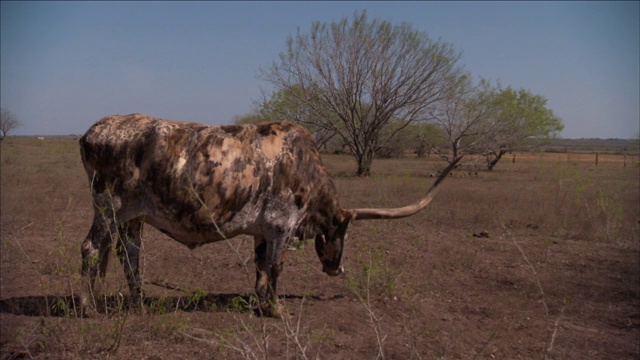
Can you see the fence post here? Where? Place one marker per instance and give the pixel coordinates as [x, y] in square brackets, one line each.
[514, 158]
[596, 159]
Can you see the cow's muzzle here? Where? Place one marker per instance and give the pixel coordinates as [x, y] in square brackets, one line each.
[334, 272]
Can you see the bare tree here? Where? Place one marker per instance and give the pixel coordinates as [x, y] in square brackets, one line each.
[356, 77]
[8, 122]
[465, 118]
[491, 121]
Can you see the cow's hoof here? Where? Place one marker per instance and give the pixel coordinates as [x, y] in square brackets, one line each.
[87, 313]
[280, 312]
[275, 311]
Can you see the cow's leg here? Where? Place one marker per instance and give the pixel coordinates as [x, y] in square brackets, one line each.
[269, 264]
[128, 250]
[95, 253]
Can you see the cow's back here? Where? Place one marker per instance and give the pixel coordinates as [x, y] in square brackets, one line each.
[205, 178]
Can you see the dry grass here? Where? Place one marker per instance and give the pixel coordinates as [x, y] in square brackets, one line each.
[421, 287]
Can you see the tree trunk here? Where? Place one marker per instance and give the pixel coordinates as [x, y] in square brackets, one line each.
[454, 151]
[492, 163]
[364, 163]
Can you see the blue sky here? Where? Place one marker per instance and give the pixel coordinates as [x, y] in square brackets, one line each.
[64, 65]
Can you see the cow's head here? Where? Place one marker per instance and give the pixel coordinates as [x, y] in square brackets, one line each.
[330, 243]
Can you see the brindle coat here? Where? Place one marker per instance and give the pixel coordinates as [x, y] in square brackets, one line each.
[200, 184]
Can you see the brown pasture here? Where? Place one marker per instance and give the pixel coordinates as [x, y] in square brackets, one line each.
[537, 259]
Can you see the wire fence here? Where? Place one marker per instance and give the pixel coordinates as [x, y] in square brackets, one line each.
[596, 159]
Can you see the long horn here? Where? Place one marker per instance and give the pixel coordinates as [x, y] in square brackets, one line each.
[364, 214]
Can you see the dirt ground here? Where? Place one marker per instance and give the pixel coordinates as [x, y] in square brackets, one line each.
[537, 259]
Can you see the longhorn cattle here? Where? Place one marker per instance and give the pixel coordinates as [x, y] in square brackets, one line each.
[200, 184]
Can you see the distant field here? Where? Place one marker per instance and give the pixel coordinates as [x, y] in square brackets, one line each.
[540, 256]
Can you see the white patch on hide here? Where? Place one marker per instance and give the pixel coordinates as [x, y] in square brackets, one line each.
[181, 161]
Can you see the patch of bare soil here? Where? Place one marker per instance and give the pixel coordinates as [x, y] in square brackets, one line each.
[549, 277]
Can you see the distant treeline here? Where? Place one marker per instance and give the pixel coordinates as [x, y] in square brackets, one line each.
[593, 145]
